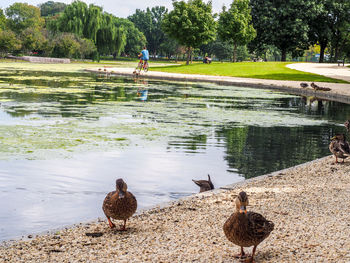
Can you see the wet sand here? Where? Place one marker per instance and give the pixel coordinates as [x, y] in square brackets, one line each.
[309, 205]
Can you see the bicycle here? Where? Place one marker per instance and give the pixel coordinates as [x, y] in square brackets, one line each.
[142, 65]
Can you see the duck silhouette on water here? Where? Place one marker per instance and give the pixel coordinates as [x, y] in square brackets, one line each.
[205, 185]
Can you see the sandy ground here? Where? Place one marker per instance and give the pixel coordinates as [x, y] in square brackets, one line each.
[309, 205]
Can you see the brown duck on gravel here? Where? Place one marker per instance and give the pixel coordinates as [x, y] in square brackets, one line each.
[205, 185]
[339, 147]
[119, 204]
[246, 229]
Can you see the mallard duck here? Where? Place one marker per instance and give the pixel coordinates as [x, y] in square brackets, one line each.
[304, 85]
[339, 147]
[205, 185]
[119, 204]
[246, 229]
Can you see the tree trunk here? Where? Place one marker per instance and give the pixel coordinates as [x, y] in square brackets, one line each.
[283, 55]
[188, 55]
[323, 48]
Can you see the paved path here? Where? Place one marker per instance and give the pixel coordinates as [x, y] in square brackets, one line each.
[339, 92]
[325, 69]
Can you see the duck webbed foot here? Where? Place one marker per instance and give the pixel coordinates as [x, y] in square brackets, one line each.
[111, 225]
[241, 255]
[249, 260]
[122, 227]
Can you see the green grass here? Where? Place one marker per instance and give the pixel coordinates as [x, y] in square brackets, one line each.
[258, 70]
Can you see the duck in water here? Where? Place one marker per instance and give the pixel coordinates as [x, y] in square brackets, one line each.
[205, 185]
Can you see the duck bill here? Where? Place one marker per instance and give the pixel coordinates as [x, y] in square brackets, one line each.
[121, 195]
[243, 210]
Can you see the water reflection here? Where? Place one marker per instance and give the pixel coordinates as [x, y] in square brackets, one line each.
[179, 132]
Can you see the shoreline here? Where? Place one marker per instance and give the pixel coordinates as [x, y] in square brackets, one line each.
[307, 203]
[339, 92]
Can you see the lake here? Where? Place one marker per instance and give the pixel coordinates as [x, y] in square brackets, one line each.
[66, 137]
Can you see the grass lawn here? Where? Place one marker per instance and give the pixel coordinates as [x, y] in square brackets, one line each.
[258, 70]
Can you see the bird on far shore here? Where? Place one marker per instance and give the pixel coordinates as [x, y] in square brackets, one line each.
[339, 147]
[246, 229]
[316, 87]
[119, 204]
[205, 185]
[304, 85]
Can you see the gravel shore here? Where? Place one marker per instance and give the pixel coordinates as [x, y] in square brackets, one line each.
[309, 205]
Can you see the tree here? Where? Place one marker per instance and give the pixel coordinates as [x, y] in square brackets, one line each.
[134, 38]
[282, 24]
[2, 20]
[191, 24]
[66, 46]
[149, 22]
[21, 16]
[92, 23]
[32, 39]
[235, 25]
[8, 42]
[340, 26]
[51, 8]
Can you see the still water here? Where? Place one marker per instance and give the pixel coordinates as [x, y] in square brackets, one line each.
[65, 138]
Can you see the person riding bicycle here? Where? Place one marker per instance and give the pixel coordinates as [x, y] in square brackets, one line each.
[144, 57]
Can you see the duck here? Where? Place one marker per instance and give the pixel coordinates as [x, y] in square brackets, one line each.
[246, 229]
[304, 85]
[205, 185]
[119, 204]
[339, 147]
[316, 87]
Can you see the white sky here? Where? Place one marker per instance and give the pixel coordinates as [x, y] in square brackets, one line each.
[120, 8]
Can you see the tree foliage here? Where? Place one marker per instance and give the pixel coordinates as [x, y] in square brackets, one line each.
[235, 25]
[2, 20]
[282, 24]
[50, 8]
[149, 22]
[191, 24]
[8, 42]
[21, 16]
[134, 38]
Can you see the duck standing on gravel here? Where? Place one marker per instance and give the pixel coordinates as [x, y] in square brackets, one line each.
[119, 204]
[246, 229]
[339, 147]
[205, 185]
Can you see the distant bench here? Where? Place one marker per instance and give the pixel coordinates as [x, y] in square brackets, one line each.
[341, 62]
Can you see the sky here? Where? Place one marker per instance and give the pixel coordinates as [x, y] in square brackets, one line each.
[120, 8]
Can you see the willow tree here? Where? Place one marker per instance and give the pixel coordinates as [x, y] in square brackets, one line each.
[134, 38]
[191, 24]
[110, 39]
[235, 25]
[74, 18]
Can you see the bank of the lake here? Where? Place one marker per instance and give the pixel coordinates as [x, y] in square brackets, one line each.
[307, 203]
